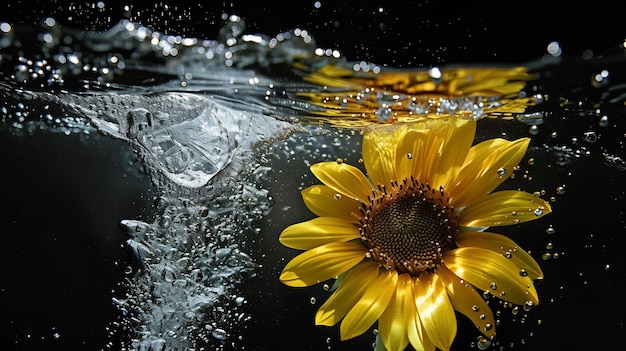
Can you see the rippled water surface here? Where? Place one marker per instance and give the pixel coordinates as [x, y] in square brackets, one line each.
[219, 134]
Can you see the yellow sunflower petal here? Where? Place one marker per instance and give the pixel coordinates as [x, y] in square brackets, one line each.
[503, 208]
[452, 153]
[371, 305]
[417, 335]
[321, 263]
[468, 301]
[504, 246]
[486, 166]
[326, 202]
[347, 295]
[441, 138]
[435, 310]
[410, 149]
[490, 271]
[343, 178]
[379, 153]
[392, 324]
[318, 231]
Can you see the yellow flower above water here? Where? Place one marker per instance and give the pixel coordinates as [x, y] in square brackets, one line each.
[408, 243]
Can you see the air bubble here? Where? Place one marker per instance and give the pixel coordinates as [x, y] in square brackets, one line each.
[604, 121]
[501, 172]
[483, 343]
[313, 300]
[515, 310]
[219, 334]
[528, 306]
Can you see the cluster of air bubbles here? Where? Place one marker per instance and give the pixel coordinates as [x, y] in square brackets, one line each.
[365, 67]
[600, 79]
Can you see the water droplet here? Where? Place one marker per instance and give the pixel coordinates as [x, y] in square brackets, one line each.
[549, 246]
[239, 301]
[515, 310]
[326, 287]
[560, 190]
[523, 273]
[546, 256]
[604, 121]
[550, 230]
[493, 286]
[607, 267]
[219, 334]
[475, 308]
[339, 160]
[488, 326]
[533, 130]
[528, 306]
[483, 343]
[337, 196]
[482, 316]
[538, 212]
[313, 300]
[501, 172]
[409, 155]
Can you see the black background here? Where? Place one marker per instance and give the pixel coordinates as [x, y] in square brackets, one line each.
[585, 312]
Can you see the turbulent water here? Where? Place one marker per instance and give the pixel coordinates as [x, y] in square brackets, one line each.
[221, 126]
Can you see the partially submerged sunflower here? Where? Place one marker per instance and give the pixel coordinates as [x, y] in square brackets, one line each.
[407, 243]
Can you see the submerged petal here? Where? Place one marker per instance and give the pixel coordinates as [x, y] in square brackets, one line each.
[318, 231]
[503, 208]
[326, 202]
[435, 310]
[343, 178]
[490, 271]
[486, 166]
[321, 263]
[504, 246]
[371, 305]
[393, 323]
[468, 301]
[348, 293]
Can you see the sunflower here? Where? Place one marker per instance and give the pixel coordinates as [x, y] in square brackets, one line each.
[408, 242]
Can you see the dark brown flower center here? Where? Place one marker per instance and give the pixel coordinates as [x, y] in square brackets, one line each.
[408, 227]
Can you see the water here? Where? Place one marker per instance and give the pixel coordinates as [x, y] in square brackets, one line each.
[221, 133]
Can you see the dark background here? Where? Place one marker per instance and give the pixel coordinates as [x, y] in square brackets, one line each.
[69, 261]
